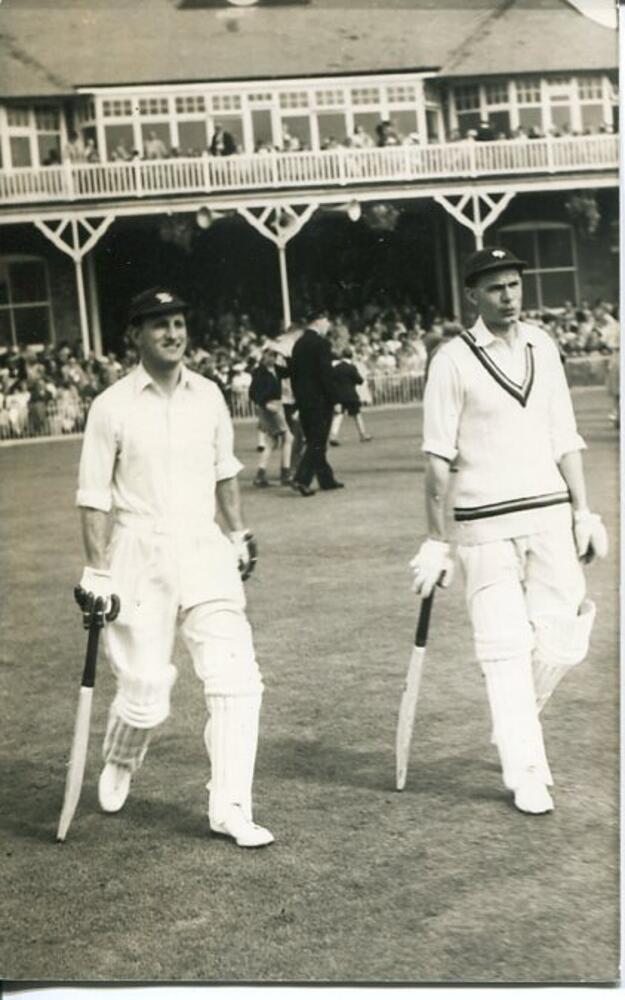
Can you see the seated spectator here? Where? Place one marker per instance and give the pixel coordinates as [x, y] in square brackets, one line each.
[74, 149]
[485, 132]
[361, 139]
[222, 142]
[387, 134]
[121, 151]
[153, 147]
[91, 152]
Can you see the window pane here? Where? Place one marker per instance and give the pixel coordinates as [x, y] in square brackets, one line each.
[158, 130]
[49, 148]
[118, 135]
[468, 120]
[499, 122]
[592, 116]
[261, 127]
[232, 124]
[530, 291]
[299, 127]
[20, 151]
[467, 98]
[555, 248]
[521, 243]
[531, 118]
[28, 281]
[32, 325]
[191, 138]
[404, 122]
[561, 115]
[331, 126]
[557, 288]
[6, 339]
[432, 120]
[368, 120]
[4, 284]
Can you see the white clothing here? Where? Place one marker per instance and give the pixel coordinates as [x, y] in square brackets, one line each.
[504, 417]
[156, 460]
[156, 456]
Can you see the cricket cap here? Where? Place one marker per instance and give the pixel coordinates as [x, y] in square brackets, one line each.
[154, 302]
[490, 259]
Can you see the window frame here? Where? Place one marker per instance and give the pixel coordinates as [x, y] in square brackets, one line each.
[16, 258]
[534, 226]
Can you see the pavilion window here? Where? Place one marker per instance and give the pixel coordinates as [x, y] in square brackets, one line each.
[25, 308]
[549, 249]
[467, 101]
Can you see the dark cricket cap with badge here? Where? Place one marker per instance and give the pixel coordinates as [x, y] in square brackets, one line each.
[490, 259]
[155, 302]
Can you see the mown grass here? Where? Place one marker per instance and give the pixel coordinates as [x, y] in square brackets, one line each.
[444, 882]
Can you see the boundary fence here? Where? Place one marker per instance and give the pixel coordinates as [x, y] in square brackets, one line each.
[25, 420]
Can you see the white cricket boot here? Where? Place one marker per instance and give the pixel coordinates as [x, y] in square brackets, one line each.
[113, 787]
[243, 831]
[231, 737]
[532, 796]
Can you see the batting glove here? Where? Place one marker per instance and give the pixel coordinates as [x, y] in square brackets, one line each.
[245, 550]
[431, 566]
[95, 596]
[591, 538]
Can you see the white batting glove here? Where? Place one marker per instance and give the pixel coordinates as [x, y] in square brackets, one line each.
[591, 538]
[245, 550]
[94, 584]
[431, 566]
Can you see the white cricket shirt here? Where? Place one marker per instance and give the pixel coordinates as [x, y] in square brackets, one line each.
[504, 416]
[154, 458]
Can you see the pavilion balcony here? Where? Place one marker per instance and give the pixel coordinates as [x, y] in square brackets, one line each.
[325, 170]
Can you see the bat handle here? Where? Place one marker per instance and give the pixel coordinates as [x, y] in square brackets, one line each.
[423, 624]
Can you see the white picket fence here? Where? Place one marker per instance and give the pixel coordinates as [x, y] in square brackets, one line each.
[21, 420]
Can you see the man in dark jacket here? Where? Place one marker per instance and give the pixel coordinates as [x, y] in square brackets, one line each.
[313, 387]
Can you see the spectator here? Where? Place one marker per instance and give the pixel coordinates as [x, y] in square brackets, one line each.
[361, 139]
[222, 142]
[347, 378]
[153, 147]
[74, 149]
[266, 393]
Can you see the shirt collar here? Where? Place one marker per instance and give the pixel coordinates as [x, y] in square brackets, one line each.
[483, 336]
[143, 378]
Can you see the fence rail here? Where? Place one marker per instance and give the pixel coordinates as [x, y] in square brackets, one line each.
[336, 167]
[57, 419]
[24, 420]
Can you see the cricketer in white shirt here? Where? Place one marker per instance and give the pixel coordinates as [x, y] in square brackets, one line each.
[497, 407]
[157, 459]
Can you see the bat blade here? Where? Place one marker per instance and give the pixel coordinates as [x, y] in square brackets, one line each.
[77, 761]
[407, 711]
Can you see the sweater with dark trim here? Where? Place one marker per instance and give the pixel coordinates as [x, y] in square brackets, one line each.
[504, 417]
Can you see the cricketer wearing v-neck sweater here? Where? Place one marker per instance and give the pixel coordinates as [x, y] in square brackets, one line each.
[503, 414]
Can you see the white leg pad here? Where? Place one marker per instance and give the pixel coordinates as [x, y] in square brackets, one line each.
[231, 738]
[560, 643]
[516, 726]
[123, 743]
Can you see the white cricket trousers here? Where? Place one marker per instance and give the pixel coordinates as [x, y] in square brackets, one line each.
[525, 598]
[192, 583]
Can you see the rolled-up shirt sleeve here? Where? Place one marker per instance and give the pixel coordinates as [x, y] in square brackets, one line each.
[563, 427]
[97, 460]
[442, 404]
[227, 464]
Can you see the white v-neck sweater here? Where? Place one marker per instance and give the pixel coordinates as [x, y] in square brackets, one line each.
[504, 418]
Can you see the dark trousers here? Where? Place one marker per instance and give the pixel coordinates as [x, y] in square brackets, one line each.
[315, 424]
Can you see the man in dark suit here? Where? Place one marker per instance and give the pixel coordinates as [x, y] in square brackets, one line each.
[313, 388]
[222, 143]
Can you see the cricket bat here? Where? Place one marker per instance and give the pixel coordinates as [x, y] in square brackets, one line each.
[410, 695]
[80, 740]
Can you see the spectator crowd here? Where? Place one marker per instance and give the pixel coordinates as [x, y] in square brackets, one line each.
[224, 143]
[49, 389]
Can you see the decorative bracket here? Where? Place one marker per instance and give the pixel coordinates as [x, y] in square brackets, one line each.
[81, 241]
[474, 220]
[279, 222]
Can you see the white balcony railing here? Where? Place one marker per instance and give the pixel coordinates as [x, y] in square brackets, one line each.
[331, 168]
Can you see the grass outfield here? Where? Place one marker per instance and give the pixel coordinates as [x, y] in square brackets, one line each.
[445, 882]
